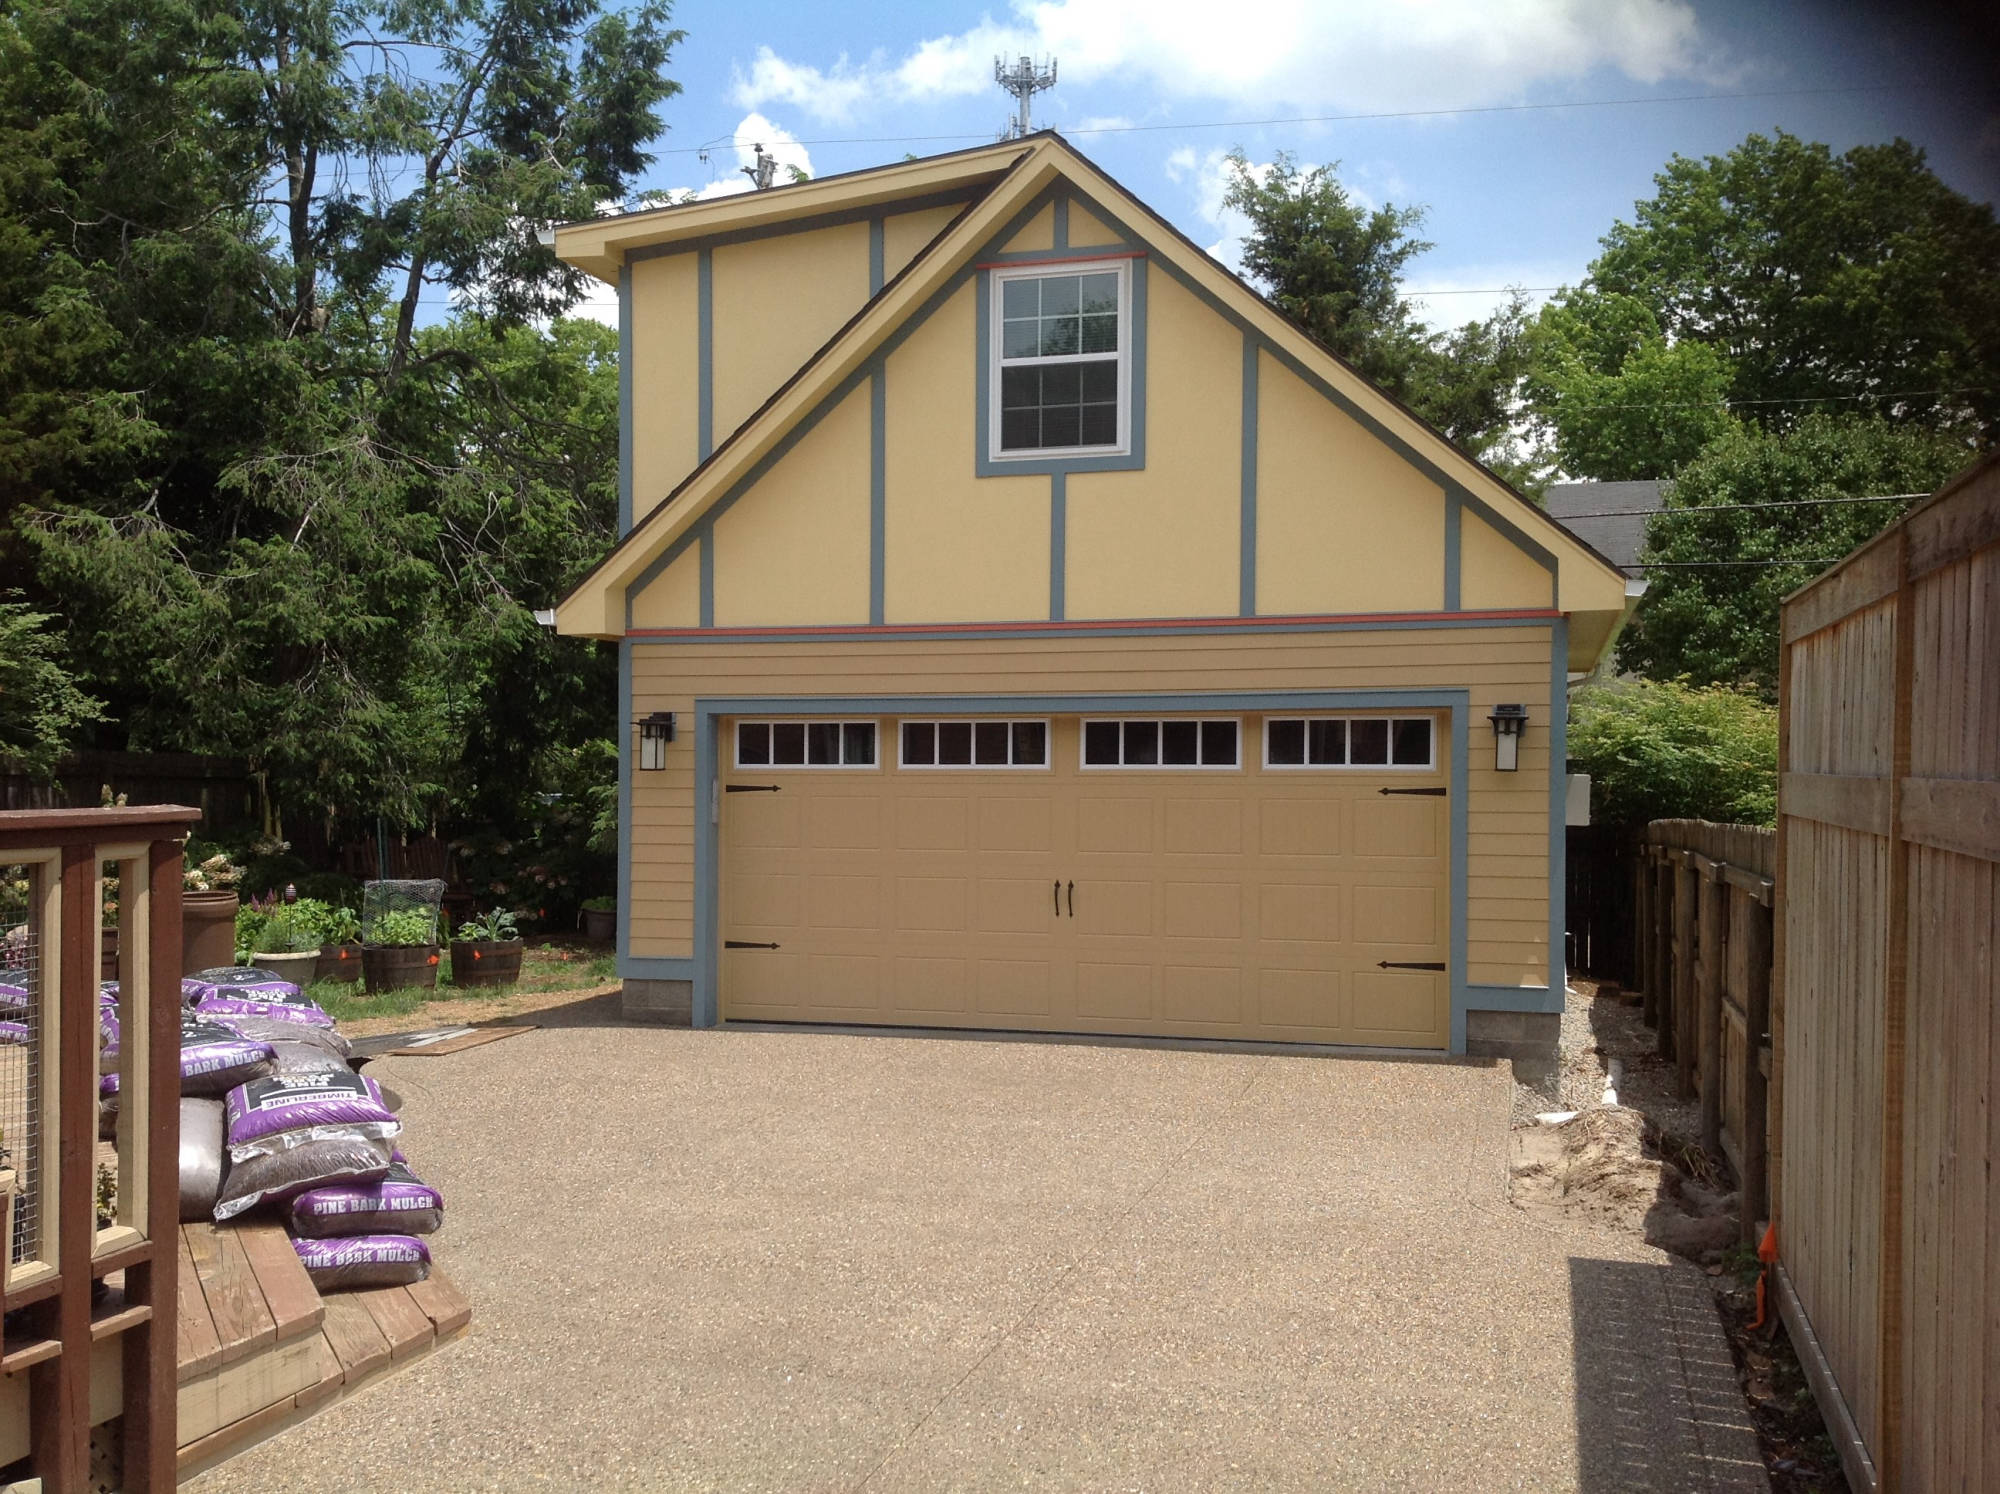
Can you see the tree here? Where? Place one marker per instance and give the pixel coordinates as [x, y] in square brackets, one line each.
[1336, 268]
[1671, 750]
[1714, 621]
[40, 704]
[1787, 280]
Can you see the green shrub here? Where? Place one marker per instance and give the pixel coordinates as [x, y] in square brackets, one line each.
[499, 924]
[285, 932]
[1671, 750]
[406, 926]
[325, 923]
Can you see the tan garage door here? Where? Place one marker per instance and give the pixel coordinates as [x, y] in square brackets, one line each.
[1296, 902]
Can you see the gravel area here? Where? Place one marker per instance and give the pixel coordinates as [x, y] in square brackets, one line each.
[1596, 1030]
[787, 1260]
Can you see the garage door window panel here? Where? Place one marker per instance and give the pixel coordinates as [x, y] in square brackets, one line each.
[975, 744]
[1366, 743]
[805, 744]
[1182, 744]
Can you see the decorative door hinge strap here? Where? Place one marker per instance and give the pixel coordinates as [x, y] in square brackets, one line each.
[1426, 793]
[752, 944]
[763, 788]
[1409, 964]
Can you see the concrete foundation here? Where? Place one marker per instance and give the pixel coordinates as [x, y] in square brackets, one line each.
[1529, 1040]
[668, 1003]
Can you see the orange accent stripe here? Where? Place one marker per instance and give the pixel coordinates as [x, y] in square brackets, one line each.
[1098, 625]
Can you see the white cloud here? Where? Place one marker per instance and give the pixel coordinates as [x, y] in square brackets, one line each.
[1356, 55]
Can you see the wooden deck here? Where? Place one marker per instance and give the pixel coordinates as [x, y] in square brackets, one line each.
[260, 1348]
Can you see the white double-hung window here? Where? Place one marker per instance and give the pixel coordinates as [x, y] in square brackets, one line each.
[1061, 380]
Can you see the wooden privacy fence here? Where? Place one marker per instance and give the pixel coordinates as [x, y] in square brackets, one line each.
[1887, 1041]
[1704, 958]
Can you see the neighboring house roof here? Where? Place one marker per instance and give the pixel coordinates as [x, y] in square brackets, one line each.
[1020, 172]
[1610, 517]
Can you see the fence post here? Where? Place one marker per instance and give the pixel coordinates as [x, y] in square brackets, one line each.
[1756, 936]
[1685, 900]
[1712, 917]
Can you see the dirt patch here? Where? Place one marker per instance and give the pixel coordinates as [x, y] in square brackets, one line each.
[473, 1011]
[1604, 1166]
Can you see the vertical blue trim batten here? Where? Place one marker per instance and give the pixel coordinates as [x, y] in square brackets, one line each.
[1246, 590]
[878, 494]
[1454, 510]
[1059, 223]
[707, 558]
[875, 255]
[1558, 806]
[707, 811]
[1058, 544]
[704, 341]
[625, 729]
[1459, 977]
[624, 400]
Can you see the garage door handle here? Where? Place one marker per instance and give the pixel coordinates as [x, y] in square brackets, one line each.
[762, 788]
[1072, 900]
[1407, 964]
[1428, 793]
[1056, 891]
[751, 944]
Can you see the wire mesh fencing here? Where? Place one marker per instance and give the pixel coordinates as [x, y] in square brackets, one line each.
[22, 970]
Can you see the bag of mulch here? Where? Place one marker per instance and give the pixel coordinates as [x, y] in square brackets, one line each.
[12, 1031]
[247, 981]
[401, 1204]
[108, 1031]
[107, 1107]
[303, 1060]
[275, 1029]
[276, 1114]
[273, 1177]
[14, 987]
[215, 1058]
[361, 1261]
[293, 1008]
[203, 1158]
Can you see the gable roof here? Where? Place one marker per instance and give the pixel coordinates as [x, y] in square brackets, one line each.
[1610, 517]
[1586, 581]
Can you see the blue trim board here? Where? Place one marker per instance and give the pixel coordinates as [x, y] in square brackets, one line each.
[1246, 586]
[708, 714]
[647, 967]
[1558, 804]
[1059, 224]
[704, 341]
[1453, 509]
[920, 633]
[626, 728]
[1058, 544]
[707, 558]
[624, 400]
[951, 197]
[878, 493]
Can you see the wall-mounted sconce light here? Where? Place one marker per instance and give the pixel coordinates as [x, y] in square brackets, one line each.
[655, 731]
[1509, 721]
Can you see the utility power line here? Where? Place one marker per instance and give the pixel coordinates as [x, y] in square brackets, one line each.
[1702, 565]
[1723, 508]
[1253, 124]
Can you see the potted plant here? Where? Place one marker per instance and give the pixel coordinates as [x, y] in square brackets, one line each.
[208, 911]
[338, 931]
[600, 918]
[401, 949]
[487, 951]
[287, 946]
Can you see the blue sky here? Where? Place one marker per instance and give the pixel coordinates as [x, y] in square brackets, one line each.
[1515, 197]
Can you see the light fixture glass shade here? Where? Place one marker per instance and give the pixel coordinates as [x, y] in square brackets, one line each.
[655, 731]
[1506, 753]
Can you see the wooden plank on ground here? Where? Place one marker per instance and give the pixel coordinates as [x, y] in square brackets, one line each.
[350, 1329]
[196, 1347]
[243, 1320]
[288, 1291]
[453, 1040]
[442, 1303]
[406, 1325]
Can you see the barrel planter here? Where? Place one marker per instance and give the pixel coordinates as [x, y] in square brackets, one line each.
[486, 962]
[339, 962]
[295, 967]
[600, 923]
[390, 967]
[208, 930]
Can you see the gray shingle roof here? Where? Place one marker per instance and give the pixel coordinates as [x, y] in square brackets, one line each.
[1618, 539]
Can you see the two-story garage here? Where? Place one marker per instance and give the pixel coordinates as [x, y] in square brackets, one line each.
[1024, 626]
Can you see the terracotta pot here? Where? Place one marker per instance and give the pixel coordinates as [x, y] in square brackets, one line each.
[391, 967]
[295, 966]
[208, 930]
[600, 923]
[339, 962]
[486, 962]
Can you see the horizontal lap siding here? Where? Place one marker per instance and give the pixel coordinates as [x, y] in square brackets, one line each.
[1508, 849]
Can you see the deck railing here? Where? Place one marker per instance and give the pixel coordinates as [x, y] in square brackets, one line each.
[88, 1280]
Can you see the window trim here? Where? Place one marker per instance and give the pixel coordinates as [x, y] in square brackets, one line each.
[1130, 454]
[1392, 717]
[736, 744]
[1083, 724]
[1046, 723]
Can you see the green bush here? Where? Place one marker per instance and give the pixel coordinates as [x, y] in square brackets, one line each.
[1660, 750]
[285, 931]
[406, 926]
[325, 923]
[497, 925]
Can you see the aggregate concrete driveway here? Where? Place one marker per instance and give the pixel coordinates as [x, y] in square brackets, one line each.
[802, 1261]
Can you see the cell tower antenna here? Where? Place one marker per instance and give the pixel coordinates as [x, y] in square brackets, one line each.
[764, 172]
[1024, 80]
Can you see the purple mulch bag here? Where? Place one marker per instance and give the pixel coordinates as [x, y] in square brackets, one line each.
[215, 1059]
[300, 1060]
[275, 1029]
[272, 1115]
[273, 1177]
[400, 1203]
[361, 1261]
[13, 1032]
[14, 985]
[294, 1008]
[247, 981]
